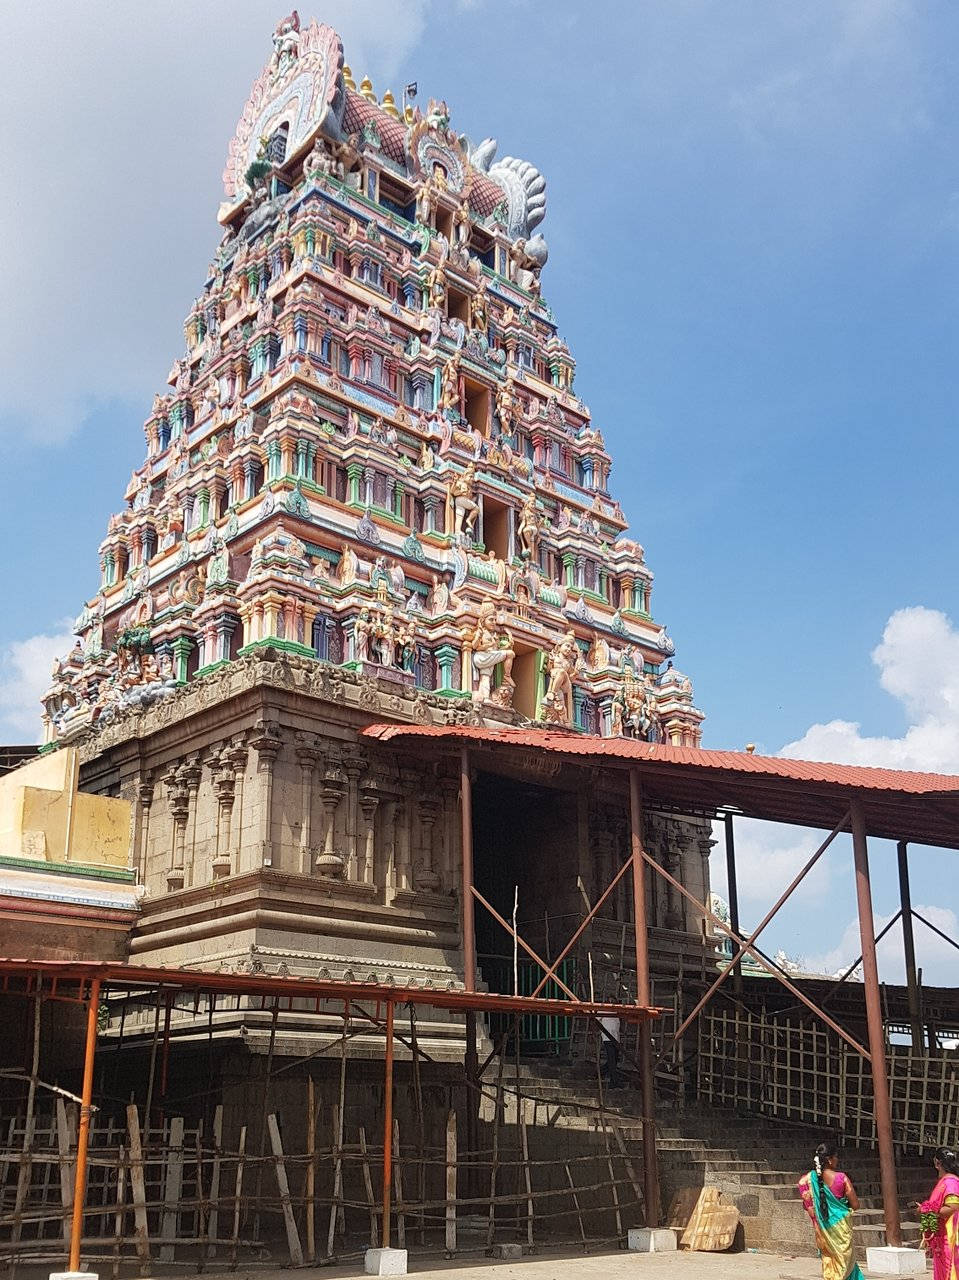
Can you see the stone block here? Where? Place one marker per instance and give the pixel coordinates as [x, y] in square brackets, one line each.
[507, 1252]
[651, 1240]
[887, 1260]
[385, 1262]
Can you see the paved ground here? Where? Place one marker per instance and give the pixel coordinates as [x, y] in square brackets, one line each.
[568, 1265]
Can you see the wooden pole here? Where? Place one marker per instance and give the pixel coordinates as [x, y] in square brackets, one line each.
[877, 1041]
[451, 1184]
[650, 1164]
[83, 1134]
[283, 1185]
[310, 1169]
[238, 1199]
[387, 1125]
[909, 948]
[138, 1188]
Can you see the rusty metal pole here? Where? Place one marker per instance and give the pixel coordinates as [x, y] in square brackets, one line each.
[469, 910]
[650, 1159]
[732, 892]
[83, 1132]
[387, 1126]
[471, 1057]
[909, 948]
[877, 1040]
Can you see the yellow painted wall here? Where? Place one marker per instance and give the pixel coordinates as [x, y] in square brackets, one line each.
[43, 816]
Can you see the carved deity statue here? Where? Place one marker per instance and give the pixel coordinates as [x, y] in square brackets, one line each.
[461, 224]
[563, 664]
[362, 632]
[348, 569]
[440, 598]
[450, 385]
[286, 44]
[530, 527]
[492, 647]
[500, 569]
[427, 457]
[436, 281]
[463, 497]
[506, 406]
[479, 307]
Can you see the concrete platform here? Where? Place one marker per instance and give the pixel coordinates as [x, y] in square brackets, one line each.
[885, 1260]
[385, 1262]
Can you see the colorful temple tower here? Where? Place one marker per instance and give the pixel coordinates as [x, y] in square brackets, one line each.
[371, 492]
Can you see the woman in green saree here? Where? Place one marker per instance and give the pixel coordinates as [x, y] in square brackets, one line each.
[829, 1198]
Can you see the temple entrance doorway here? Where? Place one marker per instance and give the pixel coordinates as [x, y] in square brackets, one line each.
[526, 851]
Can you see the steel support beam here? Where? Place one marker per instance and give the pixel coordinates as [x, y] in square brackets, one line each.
[909, 947]
[83, 1132]
[773, 910]
[387, 1125]
[732, 893]
[466, 893]
[877, 1039]
[641, 936]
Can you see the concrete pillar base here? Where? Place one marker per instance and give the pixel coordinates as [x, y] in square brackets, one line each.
[651, 1240]
[886, 1260]
[74, 1275]
[507, 1252]
[385, 1262]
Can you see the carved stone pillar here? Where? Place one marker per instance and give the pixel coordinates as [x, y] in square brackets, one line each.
[307, 755]
[179, 795]
[333, 788]
[425, 875]
[144, 801]
[225, 786]
[266, 743]
[401, 844]
[673, 863]
[353, 766]
[369, 802]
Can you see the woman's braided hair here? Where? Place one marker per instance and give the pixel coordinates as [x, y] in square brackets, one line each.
[948, 1159]
[824, 1153]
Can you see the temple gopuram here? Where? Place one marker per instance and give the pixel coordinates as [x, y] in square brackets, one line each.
[370, 493]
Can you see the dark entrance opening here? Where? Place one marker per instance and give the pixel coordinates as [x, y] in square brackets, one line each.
[526, 838]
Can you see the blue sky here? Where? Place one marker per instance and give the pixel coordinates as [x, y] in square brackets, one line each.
[754, 229]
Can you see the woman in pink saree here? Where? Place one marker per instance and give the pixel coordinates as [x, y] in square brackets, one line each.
[940, 1217]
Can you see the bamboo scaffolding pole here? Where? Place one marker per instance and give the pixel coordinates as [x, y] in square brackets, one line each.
[138, 1186]
[310, 1181]
[450, 1223]
[292, 1235]
[368, 1187]
[237, 1199]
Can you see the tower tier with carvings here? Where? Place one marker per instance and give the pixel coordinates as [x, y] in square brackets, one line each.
[370, 493]
[371, 453]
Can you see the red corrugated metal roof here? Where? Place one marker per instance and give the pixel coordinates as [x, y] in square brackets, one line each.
[853, 777]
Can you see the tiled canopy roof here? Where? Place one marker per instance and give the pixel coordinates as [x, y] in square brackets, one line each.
[920, 807]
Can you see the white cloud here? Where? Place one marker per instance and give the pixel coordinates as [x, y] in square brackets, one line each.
[118, 120]
[768, 855]
[935, 957]
[25, 667]
[918, 661]
[918, 664]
